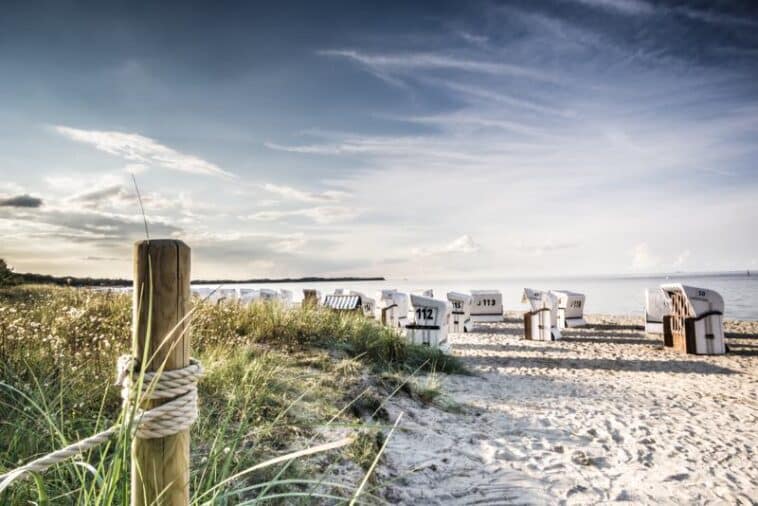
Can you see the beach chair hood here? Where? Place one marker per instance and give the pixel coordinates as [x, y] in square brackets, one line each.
[699, 300]
[539, 299]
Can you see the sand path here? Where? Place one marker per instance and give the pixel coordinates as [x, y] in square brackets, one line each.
[604, 415]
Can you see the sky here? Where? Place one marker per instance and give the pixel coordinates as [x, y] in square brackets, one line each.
[459, 140]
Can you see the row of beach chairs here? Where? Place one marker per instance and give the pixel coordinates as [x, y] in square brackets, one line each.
[690, 319]
[426, 320]
[242, 295]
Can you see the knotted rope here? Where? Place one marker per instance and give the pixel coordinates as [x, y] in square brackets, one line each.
[179, 386]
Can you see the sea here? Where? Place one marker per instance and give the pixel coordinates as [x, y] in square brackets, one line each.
[618, 295]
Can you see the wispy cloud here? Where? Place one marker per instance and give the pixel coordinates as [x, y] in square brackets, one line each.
[109, 194]
[321, 214]
[140, 149]
[472, 38]
[713, 17]
[85, 225]
[289, 193]
[642, 7]
[463, 244]
[643, 258]
[681, 260]
[500, 97]
[543, 247]
[624, 6]
[458, 120]
[432, 61]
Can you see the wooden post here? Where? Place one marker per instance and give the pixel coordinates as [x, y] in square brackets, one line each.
[160, 467]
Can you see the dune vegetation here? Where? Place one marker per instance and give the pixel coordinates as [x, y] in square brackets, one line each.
[277, 380]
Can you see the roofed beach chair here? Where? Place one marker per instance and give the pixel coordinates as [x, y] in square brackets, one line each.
[369, 304]
[460, 311]
[428, 322]
[311, 297]
[344, 302]
[201, 292]
[657, 306]
[269, 295]
[224, 295]
[392, 308]
[695, 323]
[570, 308]
[487, 306]
[286, 297]
[248, 295]
[541, 322]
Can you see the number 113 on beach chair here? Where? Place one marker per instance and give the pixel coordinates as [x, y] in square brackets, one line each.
[487, 306]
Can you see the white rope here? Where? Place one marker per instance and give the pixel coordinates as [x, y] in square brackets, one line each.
[176, 415]
[171, 417]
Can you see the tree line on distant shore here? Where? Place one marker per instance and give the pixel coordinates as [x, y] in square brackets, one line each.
[10, 278]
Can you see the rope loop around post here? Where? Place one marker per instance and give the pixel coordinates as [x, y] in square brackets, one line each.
[178, 387]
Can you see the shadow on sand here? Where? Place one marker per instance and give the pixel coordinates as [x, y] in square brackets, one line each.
[612, 326]
[500, 331]
[740, 335]
[506, 347]
[608, 338]
[744, 345]
[663, 366]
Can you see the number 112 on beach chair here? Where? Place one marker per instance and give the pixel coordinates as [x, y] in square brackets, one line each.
[428, 324]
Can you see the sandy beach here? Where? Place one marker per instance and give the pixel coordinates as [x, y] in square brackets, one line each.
[604, 415]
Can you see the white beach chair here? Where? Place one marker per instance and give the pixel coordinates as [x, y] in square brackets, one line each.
[225, 295]
[486, 306]
[460, 311]
[311, 297]
[368, 304]
[269, 295]
[657, 306]
[570, 308]
[200, 292]
[286, 297]
[392, 308]
[248, 295]
[428, 322]
[696, 320]
[541, 322]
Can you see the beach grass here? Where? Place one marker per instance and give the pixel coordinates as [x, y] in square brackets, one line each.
[277, 380]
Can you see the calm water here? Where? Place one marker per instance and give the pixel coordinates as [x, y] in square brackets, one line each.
[622, 295]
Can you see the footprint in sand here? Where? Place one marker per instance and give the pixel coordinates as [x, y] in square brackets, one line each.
[645, 457]
[677, 477]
